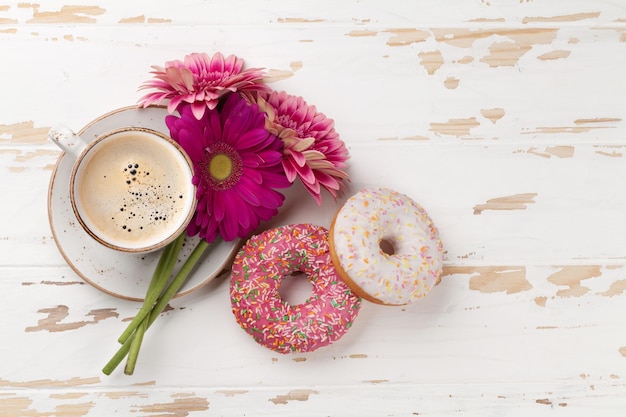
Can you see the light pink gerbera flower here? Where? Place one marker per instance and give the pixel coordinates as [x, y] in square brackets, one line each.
[312, 148]
[201, 80]
[237, 166]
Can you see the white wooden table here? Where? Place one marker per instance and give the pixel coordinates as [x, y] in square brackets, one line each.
[505, 119]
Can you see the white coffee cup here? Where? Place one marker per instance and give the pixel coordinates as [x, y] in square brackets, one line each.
[131, 188]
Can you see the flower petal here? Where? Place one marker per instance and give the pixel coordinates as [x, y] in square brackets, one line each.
[246, 190]
[298, 158]
[219, 205]
[198, 108]
[229, 225]
[217, 63]
[305, 173]
[290, 170]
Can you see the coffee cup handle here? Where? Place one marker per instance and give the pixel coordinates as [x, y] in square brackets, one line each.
[66, 139]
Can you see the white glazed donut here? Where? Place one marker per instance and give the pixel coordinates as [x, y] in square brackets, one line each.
[385, 247]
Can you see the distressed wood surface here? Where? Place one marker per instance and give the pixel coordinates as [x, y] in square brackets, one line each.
[506, 120]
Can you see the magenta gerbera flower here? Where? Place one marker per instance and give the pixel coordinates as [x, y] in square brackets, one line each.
[312, 150]
[200, 81]
[237, 167]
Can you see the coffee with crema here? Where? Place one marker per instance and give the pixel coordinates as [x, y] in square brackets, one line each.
[133, 189]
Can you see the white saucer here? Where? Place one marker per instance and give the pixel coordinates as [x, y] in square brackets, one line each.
[119, 274]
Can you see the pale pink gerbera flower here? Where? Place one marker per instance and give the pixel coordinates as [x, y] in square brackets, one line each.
[312, 148]
[201, 80]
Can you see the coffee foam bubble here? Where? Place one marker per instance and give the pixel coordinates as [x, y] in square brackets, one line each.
[134, 190]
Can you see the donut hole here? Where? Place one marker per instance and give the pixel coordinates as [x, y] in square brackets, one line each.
[295, 288]
[386, 246]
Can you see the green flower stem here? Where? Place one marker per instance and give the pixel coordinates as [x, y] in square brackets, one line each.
[135, 345]
[179, 279]
[117, 358]
[157, 284]
[172, 289]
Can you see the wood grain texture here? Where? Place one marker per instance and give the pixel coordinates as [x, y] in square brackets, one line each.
[505, 120]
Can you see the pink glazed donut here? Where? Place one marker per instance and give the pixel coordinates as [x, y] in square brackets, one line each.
[386, 247]
[257, 273]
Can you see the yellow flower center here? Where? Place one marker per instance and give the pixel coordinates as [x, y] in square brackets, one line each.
[220, 167]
